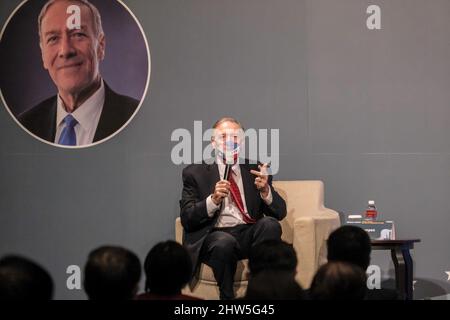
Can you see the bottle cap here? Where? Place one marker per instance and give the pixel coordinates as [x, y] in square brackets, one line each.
[371, 202]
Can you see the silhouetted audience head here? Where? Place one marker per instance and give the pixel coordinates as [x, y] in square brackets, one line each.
[274, 285]
[339, 280]
[168, 268]
[350, 244]
[112, 273]
[272, 255]
[23, 279]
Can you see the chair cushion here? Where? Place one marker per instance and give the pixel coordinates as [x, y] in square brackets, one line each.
[206, 274]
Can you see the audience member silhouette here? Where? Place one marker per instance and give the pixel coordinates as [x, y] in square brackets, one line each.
[112, 273]
[23, 279]
[168, 268]
[338, 280]
[352, 244]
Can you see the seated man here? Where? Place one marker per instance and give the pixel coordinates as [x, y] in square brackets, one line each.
[224, 218]
[22, 279]
[168, 268]
[112, 273]
[337, 280]
[352, 244]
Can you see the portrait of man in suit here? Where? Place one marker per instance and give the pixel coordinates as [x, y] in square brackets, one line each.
[85, 109]
[223, 217]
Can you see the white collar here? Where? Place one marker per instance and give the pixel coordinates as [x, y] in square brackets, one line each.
[236, 168]
[84, 113]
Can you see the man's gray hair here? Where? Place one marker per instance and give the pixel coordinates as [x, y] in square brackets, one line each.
[226, 119]
[98, 28]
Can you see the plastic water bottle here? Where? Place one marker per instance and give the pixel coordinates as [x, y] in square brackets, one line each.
[371, 211]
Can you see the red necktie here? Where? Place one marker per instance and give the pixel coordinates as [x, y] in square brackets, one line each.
[236, 196]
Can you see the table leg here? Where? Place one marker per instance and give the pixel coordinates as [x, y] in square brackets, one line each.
[400, 271]
[409, 273]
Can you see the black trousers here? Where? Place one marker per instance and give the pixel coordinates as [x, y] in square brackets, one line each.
[223, 247]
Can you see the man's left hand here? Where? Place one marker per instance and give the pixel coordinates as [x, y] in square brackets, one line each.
[261, 181]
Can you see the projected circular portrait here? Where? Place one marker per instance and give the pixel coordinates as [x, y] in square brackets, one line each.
[73, 72]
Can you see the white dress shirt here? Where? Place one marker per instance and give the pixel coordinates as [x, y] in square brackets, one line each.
[230, 214]
[87, 116]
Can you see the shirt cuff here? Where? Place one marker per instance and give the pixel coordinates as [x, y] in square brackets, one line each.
[211, 207]
[268, 199]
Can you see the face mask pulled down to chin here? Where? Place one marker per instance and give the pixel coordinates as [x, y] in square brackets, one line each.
[229, 152]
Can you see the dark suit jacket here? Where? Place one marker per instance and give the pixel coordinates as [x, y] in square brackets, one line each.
[117, 109]
[199, 181]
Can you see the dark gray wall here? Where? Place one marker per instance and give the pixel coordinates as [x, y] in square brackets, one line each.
[365, 111]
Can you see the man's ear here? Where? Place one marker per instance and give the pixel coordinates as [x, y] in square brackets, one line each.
[101, 47]
[42, 56]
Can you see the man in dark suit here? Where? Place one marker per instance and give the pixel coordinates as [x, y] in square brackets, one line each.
[223, 219]
[117, 109]
[85, 110]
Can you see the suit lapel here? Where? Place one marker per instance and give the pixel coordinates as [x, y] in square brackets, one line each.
[249, 189]
[104, 128]
[214, 175]
[49, 129]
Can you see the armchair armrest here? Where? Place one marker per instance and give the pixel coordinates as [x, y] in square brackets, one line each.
[178, 231]
[309, 240]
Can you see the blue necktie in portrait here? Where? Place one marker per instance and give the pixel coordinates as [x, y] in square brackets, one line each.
[68, 136]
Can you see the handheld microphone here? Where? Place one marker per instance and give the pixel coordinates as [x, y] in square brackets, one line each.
[229, 160]
[227, 171]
